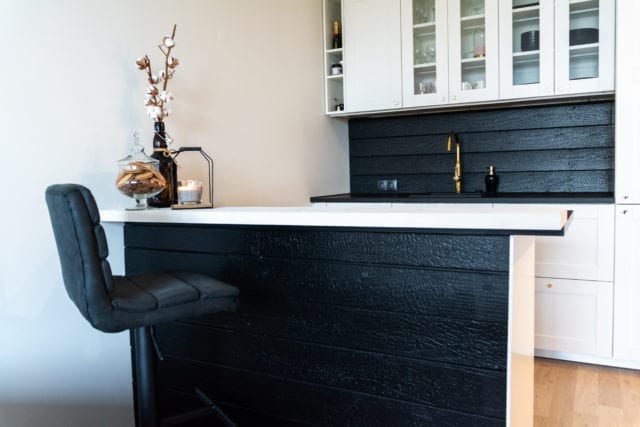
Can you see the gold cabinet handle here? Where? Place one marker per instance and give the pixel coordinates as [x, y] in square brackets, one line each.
[549, 285]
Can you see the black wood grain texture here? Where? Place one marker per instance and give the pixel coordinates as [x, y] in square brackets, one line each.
[541, 161]
[601, 113]
[263, 400]
[453, 294]
[599, 136]
[565, 148]
[455, 387]
[172, 401]
[405, 328]
[454, 341]
[530, 181]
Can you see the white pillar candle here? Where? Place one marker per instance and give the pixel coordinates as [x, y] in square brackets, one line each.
[189, 191]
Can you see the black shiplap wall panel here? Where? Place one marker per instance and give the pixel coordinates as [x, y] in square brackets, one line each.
[483, 121]
[566, 148]
[388, 332]
[473, 252]
[454, 387]
[306, 403]
[451, 294]
[338, 327]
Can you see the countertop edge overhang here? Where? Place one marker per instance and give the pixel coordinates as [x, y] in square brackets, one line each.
[488, 219]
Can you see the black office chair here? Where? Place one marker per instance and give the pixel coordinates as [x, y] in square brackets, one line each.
[137, 302]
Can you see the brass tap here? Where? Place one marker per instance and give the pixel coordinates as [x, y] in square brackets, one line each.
[457, 171]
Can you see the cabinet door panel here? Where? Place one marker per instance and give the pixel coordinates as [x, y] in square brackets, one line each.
[574, 316]
[627, 296]
[524, 70]
[627, 105]
[473, 51]
[585, 251]
[425, 79]
[586, 63]
[372, 55]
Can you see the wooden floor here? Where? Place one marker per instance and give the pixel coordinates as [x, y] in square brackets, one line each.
[575, 394]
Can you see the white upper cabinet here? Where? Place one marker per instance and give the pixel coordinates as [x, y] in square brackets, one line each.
[425, 55]
[527, 48]
[449, 51]
[473, 50]
[556, 47]
[333, 58]
[585, 46]
[372, 52]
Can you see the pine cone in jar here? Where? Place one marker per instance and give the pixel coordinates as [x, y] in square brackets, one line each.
[139, 178]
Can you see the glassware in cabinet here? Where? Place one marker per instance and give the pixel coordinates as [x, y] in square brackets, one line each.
[424, 52]
[473, 40]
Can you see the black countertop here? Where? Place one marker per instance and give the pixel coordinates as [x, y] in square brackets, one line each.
[391, 197]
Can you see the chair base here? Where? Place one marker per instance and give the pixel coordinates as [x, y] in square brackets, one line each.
[144, 359]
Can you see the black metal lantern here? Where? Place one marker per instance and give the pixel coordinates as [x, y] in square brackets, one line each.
[189, 190]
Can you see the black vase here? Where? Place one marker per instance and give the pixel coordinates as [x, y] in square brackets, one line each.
[167, 167]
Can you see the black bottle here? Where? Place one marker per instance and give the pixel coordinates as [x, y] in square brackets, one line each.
[167, 168]
[491, 181]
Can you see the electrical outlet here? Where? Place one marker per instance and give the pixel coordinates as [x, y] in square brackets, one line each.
[388, 185]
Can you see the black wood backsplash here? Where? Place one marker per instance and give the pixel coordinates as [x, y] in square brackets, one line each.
[561, 148]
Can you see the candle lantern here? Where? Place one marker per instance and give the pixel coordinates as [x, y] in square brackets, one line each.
[190, 191]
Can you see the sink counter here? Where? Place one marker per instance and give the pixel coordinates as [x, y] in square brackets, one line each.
[435, 197]
[504, 219]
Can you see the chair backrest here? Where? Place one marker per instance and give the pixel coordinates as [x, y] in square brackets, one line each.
[82, 248]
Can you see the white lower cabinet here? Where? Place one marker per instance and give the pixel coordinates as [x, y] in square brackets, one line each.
[627, 296]
[574, 286]
[573, 316]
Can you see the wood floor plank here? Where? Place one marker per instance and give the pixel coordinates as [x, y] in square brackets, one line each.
[580, 395]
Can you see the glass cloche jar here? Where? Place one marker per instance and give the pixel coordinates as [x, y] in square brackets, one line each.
[139, 177]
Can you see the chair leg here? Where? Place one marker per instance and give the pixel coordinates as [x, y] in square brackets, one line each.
[144, 369]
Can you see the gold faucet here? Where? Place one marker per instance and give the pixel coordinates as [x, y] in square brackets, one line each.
[457, 171]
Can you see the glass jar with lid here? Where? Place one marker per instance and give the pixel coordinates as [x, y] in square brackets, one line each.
[139, 177]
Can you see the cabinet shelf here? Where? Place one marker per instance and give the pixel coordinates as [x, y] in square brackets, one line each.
[584, 49]
[429, 25]
[425, 67]
[473, 61]
[333, 51]
[583, 4]
[468, 18]
[526, 10]
[526, 16]
[335, 77]
[522, 57]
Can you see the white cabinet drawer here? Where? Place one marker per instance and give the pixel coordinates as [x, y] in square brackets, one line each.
[585, 251]
[574, 316]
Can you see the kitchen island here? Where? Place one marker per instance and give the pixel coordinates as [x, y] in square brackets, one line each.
[359, 315]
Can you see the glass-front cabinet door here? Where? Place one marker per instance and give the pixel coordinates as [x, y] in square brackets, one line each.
[424, 52]
[473, 50]
[585, 46]
[527, 48]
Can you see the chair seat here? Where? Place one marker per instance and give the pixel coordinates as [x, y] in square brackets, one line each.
[145, 292]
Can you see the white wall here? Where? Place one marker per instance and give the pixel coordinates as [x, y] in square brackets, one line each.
[249, 90]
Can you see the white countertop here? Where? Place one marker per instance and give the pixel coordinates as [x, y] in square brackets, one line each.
[425, 216]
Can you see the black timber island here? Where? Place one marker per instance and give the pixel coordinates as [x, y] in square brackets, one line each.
[363, 326]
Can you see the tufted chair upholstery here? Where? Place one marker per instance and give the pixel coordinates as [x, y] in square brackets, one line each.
[116, 303]
[136, 302]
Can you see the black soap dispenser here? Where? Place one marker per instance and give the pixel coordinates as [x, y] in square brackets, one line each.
[491, 181]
